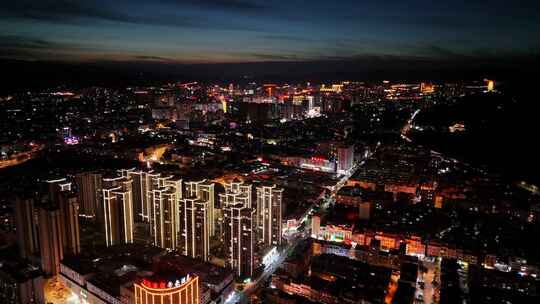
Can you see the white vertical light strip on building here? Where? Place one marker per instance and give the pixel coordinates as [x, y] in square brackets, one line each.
[184, 227]
[142, 189]
[206, 234]
[251, 246]
[106, 202]
[239, 242]
[153, 227]
[130, 217]
[269, 219]
[192, 207]
[176, 222]
[162, 219]
[125, 217]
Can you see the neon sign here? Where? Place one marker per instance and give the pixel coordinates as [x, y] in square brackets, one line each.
[71, 140]
[162, 284]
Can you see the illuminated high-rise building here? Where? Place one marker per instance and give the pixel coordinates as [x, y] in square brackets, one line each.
[239, 237]
[62, 198]
[165, 221]
[143, 183]
[194, 228]
[58, 226]
[50, 242]
[156, 200]
[69, 220]
[237, 186]
[227, 199]
[118, 210]
[89, 195]
[155, 182]
[25, 223]
[240, 191]
[176, 184]
[269, 214]
[204, 190]
[168, 289]
[164, 198]
[55, 187]
[345, 158]
[239, 227]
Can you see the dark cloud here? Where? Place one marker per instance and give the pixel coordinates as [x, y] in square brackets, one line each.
[153, 58]
[235, 5]
[39, 49]
[61, 11]
[29, 44]
[431, 21]
[288, 38]
[81, 12]
[14, 41]
[476, 54]
[272, 57]
[445, 53]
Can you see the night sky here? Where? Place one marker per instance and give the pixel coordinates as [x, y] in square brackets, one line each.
[223, 31]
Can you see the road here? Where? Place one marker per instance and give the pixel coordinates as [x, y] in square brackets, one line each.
[430, 293]
[243, 296]
[408, 126]
[19, 158]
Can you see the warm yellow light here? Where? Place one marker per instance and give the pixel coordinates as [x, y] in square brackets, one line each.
[490, 85]
[143, 293]
[224, 103]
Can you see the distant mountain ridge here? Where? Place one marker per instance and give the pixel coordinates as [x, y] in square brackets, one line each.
[494, 130]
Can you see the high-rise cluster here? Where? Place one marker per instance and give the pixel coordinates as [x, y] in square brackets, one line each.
[269, 214]
[179, 216]
[239, 231]
[58, 226]
[196, 219]
[118, 210]
[246, 227]
[89, 186]
[194, 228]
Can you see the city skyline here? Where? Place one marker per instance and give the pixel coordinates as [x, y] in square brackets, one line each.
[263, 152]
[380, 191]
